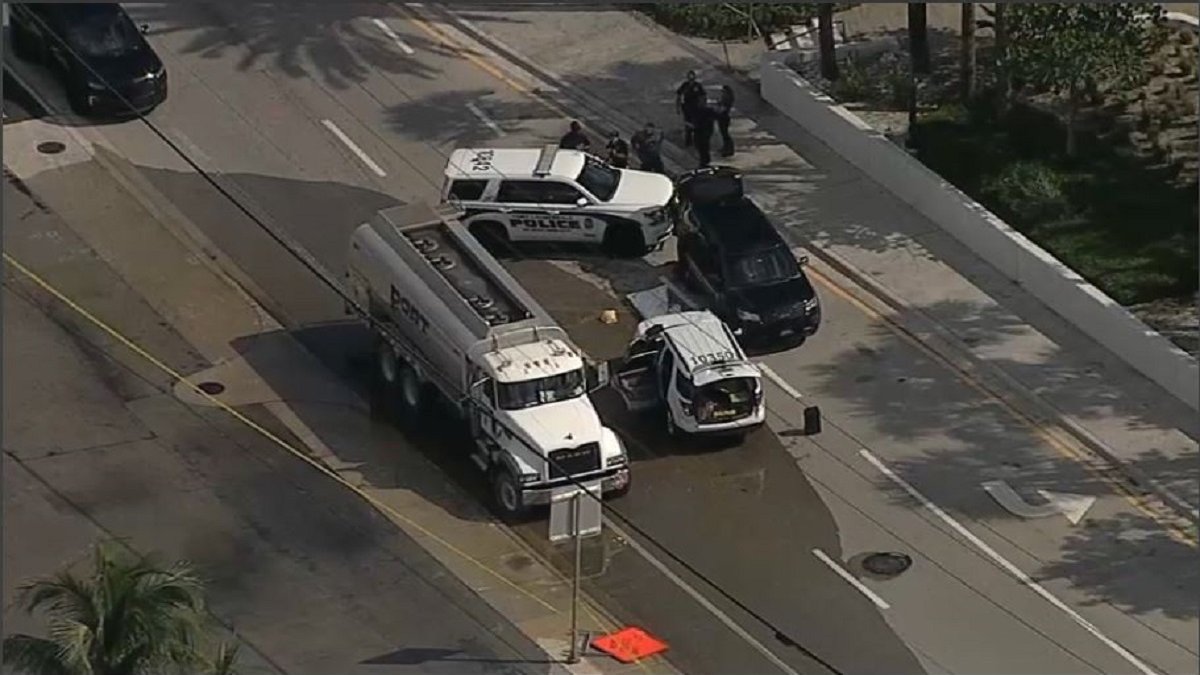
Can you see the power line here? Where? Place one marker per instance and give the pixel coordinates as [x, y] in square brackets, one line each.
[316, 269]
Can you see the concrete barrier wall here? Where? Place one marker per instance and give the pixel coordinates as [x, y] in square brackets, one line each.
[1018, 258]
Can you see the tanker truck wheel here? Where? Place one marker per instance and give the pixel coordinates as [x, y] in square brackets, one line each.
[411, 397]
[506, 494]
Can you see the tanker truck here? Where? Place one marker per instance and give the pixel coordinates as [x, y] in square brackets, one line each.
[453, 326]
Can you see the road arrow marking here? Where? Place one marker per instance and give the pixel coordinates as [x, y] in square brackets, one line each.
[1073, 506]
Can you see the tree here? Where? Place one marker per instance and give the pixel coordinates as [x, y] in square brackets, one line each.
[129, 617]
[828, 50]
[1068, 49]
[918, 38]
[967, 65]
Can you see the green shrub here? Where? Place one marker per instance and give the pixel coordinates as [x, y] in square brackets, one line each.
[719, 21]
[1026, 192]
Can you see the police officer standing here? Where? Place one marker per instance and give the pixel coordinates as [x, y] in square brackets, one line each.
[706, 118]
[724, 108]
[618, 150]
[689, 98]
[575, 139]
[647, 143]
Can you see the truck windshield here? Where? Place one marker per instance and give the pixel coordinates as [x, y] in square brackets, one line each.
[530, 393]
[599, 178]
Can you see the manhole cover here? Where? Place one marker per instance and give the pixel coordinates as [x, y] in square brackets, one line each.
[886, 564]
[50, 147]
[211, 388]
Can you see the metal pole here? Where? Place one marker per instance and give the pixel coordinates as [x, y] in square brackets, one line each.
[576, 508]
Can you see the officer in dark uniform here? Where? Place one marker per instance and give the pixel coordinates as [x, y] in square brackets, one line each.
[618, 150]
[647, 143]
[706, 119]
[575, 139]
[689, 98]
[724, 108]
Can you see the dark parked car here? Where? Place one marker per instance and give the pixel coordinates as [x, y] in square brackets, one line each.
[96, 50]
[731, 253]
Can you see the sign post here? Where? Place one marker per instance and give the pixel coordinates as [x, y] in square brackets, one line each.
[575, 515]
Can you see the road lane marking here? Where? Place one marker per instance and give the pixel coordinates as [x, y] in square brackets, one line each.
[699, 598]
[366, 159]
[1004, 564]
[264, 432]
[1047, 434]
[1180, 534]
[841, 572]
[484, 118]
[387, 30]
[779, 381]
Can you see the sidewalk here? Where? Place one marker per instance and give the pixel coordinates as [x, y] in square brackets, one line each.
[850, 221]
[213, 315]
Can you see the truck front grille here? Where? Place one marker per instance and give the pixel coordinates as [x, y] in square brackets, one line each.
[574, 461]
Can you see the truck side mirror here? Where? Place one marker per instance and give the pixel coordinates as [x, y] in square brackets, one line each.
[596, 374]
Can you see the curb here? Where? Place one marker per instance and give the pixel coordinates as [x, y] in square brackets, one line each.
[163, 211]
[195, 241]
[904, 311]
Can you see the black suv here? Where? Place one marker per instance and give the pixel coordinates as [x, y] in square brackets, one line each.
[96, 50]
[730, 252]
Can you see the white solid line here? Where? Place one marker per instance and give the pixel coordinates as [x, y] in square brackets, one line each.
[484, 118]
[387, 30]
[778, 380]
[841, 572]
[353, 148]
[1005, 564]
[703, 601]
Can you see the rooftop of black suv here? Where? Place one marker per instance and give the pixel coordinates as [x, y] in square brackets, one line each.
[727, 215]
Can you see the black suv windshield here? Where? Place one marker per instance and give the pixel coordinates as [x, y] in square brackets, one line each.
[763, 267]
[100, 31]
[599, 178]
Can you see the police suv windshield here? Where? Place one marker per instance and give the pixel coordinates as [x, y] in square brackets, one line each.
[763, 267]
[599, 178]
[530, 393]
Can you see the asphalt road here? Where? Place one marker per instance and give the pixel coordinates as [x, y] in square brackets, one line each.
[96, 445]
[253, 93]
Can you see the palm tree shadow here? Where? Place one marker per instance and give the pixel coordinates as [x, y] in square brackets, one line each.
[333, 41]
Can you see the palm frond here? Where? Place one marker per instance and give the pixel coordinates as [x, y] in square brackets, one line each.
[224, 662]
[36, 656]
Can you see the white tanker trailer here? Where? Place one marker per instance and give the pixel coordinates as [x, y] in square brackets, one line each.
[451, 322]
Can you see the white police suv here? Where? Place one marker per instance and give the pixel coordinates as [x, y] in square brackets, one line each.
[557, 195]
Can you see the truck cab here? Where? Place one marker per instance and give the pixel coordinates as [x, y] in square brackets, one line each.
[530, 406]
[689, 366]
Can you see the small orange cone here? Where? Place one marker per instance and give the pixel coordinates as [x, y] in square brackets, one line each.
[630, 645]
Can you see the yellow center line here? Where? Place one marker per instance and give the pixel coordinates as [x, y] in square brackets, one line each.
[1051, 435]
[379, 505]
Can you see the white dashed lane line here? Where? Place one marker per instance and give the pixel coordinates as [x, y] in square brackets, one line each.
[366, 159]
[850, 579]
[484, 118]
[387, 30]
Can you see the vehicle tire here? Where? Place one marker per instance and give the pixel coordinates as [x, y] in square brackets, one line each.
[617, 494]
[624, 240]
[493, 235]
[506, 494]
[412, 400]
[22, 44]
